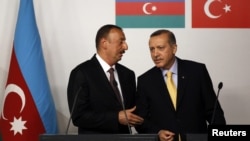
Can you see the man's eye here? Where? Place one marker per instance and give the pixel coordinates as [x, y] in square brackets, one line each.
[161, 48]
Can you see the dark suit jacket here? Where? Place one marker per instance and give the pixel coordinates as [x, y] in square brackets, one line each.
[96, 109]
[195, 101]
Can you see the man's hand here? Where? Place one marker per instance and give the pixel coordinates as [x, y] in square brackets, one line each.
[132, 119]
[165, 135]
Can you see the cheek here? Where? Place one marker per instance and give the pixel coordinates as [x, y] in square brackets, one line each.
[151, 53]
[152, 56]
[166, 55]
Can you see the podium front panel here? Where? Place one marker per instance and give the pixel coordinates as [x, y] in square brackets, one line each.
[197, 137]
[99, 137]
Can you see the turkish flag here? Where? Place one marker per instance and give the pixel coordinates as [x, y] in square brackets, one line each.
[221, 13]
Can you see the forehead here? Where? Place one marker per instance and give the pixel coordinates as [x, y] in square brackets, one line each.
[116, 34]
[158, 40]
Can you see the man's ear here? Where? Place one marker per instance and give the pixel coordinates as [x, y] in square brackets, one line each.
[104, 43]
[174, 48]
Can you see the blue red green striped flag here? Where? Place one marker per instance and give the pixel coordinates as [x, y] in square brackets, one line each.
[150, 13]
[28, 108]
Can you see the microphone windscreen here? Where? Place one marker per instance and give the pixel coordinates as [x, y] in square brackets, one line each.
[220, 85]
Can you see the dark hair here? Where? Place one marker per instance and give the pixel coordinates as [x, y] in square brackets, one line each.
[170, 34]
[103, 32]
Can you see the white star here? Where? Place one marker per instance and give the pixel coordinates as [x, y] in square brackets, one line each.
[18, 125]
[154, 8]
[227, 8]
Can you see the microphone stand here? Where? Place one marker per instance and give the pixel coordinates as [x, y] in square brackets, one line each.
[73, 108]
[123, 107]
[216, 102]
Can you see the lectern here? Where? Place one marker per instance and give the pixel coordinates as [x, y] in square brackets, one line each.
[99, 137]
[197, 137]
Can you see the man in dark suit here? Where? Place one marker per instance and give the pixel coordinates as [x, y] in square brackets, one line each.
[97, 108]
[193, 105]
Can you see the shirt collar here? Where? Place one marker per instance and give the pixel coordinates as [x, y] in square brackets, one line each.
[173, 69]
[105, 66]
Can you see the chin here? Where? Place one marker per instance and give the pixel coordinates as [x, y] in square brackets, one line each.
[158, 65]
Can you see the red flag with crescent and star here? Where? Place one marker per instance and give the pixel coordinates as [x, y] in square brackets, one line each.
[221, 13]
[27, 109]
[22, 116]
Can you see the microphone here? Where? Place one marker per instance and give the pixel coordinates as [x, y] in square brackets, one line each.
[117, 91]
[216, 101]
[73, 108]
[124, 110]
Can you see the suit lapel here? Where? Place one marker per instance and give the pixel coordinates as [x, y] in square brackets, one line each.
[182, 81]
[161, 87]
[102, 79]
[123, 80]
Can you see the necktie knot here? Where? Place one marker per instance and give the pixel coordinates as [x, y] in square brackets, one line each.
[169, 74]
[111, 70]
[112, 77]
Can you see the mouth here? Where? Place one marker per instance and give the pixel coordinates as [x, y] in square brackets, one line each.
[157, 61]
[121, 54]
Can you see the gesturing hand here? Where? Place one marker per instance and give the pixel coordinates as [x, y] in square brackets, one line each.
[131, 119]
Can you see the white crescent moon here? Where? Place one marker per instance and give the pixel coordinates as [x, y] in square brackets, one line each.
[144, 8]
[17, 90]
[207, 12]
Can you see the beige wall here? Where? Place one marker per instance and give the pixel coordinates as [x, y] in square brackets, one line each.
[68, 28]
